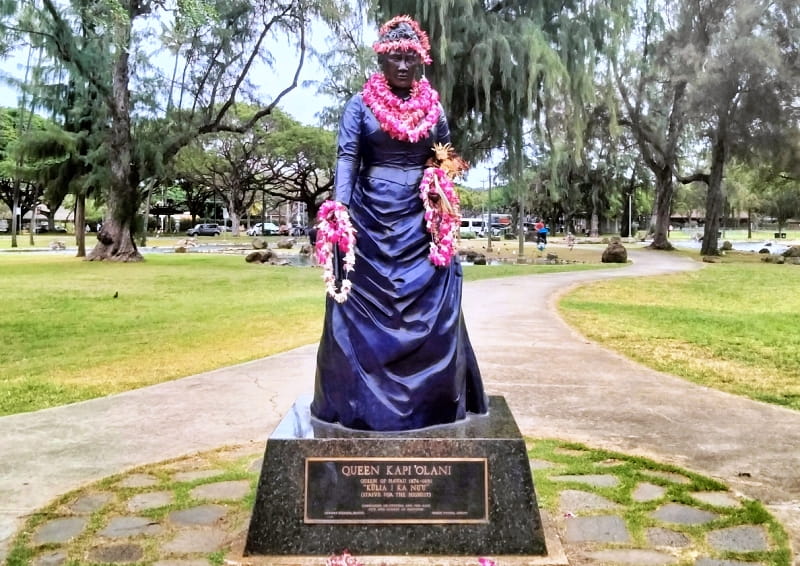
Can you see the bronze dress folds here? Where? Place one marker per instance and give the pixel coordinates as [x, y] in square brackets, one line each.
[396, 354]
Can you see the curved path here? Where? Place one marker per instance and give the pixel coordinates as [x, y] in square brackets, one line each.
[557, 383]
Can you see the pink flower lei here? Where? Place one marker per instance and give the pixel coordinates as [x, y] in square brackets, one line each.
[335, 229]
[406, 120]
[442, 216]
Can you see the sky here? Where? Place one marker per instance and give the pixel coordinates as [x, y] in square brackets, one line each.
[303, 103]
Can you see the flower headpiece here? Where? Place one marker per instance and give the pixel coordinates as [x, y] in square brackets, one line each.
[402, 33]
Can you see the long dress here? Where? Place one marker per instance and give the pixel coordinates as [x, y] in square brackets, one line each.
[395, 355]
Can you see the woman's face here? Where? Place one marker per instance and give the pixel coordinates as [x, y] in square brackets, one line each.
[400, 68]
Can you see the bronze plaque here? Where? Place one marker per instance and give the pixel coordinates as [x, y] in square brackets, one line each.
[396, 490]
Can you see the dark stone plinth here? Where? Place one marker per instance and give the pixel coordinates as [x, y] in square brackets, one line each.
[512, 525]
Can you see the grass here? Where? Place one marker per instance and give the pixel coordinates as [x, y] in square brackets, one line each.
[731, 326]
[66, 337]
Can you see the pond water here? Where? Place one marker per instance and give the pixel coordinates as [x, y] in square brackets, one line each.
[744, 246]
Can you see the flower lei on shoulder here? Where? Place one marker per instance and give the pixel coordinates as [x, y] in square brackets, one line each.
[405, 120]
[440, 198]
[334, 229]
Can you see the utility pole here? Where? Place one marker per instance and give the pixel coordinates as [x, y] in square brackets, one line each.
[489, 215]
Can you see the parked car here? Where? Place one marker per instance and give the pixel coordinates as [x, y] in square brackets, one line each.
[44, 229]
[204, 230]
[269, 229]
[473, 225]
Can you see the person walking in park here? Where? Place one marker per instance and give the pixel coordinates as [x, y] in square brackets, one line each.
[541, 233]
[395, 353]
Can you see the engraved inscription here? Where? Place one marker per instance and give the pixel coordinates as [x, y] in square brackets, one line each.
[382, 490]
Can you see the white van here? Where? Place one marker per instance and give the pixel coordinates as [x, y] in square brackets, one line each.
[475, 225]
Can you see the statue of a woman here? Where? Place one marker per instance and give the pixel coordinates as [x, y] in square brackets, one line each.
[395, 355]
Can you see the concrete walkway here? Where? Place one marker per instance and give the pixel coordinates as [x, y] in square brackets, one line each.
[557, 384]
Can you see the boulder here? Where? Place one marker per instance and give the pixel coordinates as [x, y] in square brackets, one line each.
[475, 258]
[259, 256]
[779, 259]
[260, 244]
[615, 252]
[56, 245]
[306, 249]
[286, 243]
[552, 257]
[793, 251]
[710, 259]
[727, 246]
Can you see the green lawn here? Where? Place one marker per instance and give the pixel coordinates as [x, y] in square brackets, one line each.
[731, 326]
[73, 330]
[66, 337]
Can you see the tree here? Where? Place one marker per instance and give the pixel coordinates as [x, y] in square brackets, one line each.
[349, 63]
[19, 187]
[230, 51]
[745, 95]
[498, 64]
[301, 163]
[652, 79]
[782, 200]
[234, 165]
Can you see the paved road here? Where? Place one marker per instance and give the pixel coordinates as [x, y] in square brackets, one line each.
[557, 384]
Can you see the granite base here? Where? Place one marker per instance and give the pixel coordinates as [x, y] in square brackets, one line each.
[510, 525]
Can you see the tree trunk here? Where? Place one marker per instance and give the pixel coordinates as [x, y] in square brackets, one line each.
[16, 215]
[115, 239]
[594, 225]
[662, 209]
[80, 224]
[714, 197]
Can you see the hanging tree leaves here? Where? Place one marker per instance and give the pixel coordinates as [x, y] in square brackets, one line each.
[499, 64]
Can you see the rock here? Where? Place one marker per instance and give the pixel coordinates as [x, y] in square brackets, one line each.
[139, 480]
[306, 249]
[180, 249]
[475, 258]
[286, 243]
[260, 256]
[683, 514]
[56, 245]
[552, 257]
[615, 253]
[710, 259]
[793, 251]
[260, 244]
[727, 246]
[116, 553]
[763, 251]
[779, 259]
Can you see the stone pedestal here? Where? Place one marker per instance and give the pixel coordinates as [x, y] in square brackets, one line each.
[463, 489]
